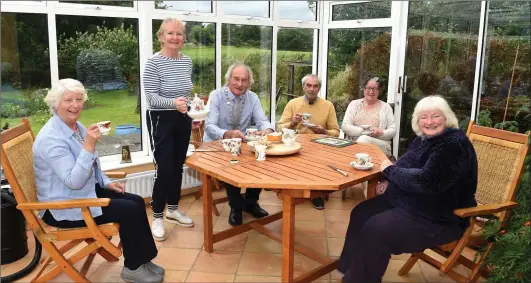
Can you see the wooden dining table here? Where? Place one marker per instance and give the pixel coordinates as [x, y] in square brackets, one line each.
[295, 178]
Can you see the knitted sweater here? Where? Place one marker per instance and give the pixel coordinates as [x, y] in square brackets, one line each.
[323, 114]
[435, 176]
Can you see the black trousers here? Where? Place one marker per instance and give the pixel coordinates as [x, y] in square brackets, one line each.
[236, 200]
[129, 211]
[377, 230]
[169, 134]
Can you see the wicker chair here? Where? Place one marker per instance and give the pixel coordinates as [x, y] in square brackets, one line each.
[501, 157]
[17, 162]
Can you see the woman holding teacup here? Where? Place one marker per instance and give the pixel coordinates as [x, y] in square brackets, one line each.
[370, 120]
[67, 167]
[168, 84]
[436, 175]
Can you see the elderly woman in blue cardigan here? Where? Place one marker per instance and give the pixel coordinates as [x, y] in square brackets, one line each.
[437, 174]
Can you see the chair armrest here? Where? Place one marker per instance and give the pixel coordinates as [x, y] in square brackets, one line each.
[75, 203]
[484, 209]
[116, 174]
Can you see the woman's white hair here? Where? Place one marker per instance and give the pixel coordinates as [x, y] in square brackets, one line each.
[228, 75]
[433, 102]
[57, 92]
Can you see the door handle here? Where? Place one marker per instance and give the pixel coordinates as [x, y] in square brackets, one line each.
[399, 83]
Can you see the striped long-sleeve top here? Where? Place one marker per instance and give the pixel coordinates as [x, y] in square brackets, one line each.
[166, 79]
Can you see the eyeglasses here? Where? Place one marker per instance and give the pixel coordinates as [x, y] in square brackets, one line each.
[373, 89]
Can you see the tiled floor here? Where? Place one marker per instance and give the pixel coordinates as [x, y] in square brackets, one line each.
[249, 257]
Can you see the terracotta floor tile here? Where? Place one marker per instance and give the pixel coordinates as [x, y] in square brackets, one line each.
[317, 244]
[401, 256]
[217, 262]
[176, 259]
[310, 228]
[275, 226]
[304, 213]
[304, 264]
[236, 243]
[221, 224]
[391, 274]
[184, 239]
[337, 215]
[258, 243]
[335, 246]
[196, 276]
[187, 198]
[336, 203]
[198, 224]
[336, 275]
[196, 208]
[260, 264]
[175, 276]
[336, 229]
[258, 279]
[107, 273]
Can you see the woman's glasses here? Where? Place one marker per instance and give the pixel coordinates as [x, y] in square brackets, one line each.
[373, 89]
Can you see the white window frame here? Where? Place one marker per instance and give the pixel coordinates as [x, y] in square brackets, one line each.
[94, 6]
[179, 13]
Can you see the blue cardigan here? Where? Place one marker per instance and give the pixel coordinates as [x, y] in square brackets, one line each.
[435, 176]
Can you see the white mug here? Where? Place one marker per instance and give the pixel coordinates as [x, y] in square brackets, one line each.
[225, 144]
[235, 146]
[260, 152]
[251, 132]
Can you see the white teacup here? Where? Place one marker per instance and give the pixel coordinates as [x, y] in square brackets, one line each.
[306, 117]
[104, 127]
[235, 146]
[366, 128]
[260, 152]
[251, 132]
[363, 158]
[225, 144]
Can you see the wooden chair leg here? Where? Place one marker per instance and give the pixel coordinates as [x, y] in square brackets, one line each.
[343, 194]
[215, 210]
[408, 265]
[88, 263]
[198, 194]
[62, 265]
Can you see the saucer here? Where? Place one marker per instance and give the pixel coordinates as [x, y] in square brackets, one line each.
[309, 125]
[247, 138]
[367, 165]
[198, 115]
[189, 153]
[366, 133]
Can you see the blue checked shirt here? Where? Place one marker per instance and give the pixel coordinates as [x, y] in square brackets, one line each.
[64, 170]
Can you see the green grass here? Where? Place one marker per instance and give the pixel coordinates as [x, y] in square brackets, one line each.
[239, 53]
[116, 106]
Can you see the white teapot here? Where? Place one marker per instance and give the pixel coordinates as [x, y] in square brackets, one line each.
[197, 104]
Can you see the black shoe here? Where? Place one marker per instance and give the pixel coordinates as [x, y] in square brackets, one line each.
[256, 211]
[235, 217]
[318, 203]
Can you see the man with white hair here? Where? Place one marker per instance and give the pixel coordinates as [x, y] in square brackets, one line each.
[323, 118]
[233, 108]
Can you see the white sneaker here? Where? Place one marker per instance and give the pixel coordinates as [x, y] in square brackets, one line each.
[177, 217]
[157, 229]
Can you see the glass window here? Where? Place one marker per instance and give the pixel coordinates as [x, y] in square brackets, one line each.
[103, 3]
[189, 6]
[199, 46]
[25, 68]
[102, 53]
[506, 74]
[298, 10]
[246, 8]
[440, 59]
[294, 61]
[353, 55]
[364, 10]
[252, 46]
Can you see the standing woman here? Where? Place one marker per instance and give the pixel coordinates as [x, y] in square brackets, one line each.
[168, 83]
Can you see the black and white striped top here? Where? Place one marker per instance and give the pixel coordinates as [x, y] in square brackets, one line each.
[166, 79]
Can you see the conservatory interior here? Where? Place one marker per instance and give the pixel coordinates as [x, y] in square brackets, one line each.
[475, 54]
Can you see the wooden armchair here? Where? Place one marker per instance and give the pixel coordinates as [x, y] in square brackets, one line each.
[17, 162]
[501, 157]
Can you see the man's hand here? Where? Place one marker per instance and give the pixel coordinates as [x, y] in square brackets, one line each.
[381, 187]
[297, 118]
[117, 187]
[93, 135]
[386, 163]
[180, 104]
[233, 134]
[376, 133]
[318, 129]
[264, 132]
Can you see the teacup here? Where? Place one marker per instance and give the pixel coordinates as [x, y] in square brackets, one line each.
[289, 136]
[260, 152]
[251, 132]
[104, 127]
[363, 158]
[366, 128]
[235, 146]
[306, 117]
[225, 144]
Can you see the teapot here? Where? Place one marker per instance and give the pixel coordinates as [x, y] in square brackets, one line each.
[197, 104]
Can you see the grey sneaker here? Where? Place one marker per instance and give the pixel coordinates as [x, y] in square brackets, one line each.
[141, 274]
[157, 269]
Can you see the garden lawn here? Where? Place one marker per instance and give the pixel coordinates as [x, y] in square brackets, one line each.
[116, 106]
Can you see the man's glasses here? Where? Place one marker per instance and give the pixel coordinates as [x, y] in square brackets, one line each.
[373, 89]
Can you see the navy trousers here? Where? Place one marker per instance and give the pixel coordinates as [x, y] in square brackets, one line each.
[237, 201]
[377, 230]
[130, 212]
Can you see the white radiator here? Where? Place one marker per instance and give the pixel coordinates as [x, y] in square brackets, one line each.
[142, 183]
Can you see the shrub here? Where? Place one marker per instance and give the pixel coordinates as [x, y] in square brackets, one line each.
[6, 72]
[97, 66]
[12, 110]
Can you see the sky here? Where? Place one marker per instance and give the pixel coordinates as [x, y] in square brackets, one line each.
[296, 10]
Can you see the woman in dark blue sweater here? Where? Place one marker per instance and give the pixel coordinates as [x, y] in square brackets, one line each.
[437, 174]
